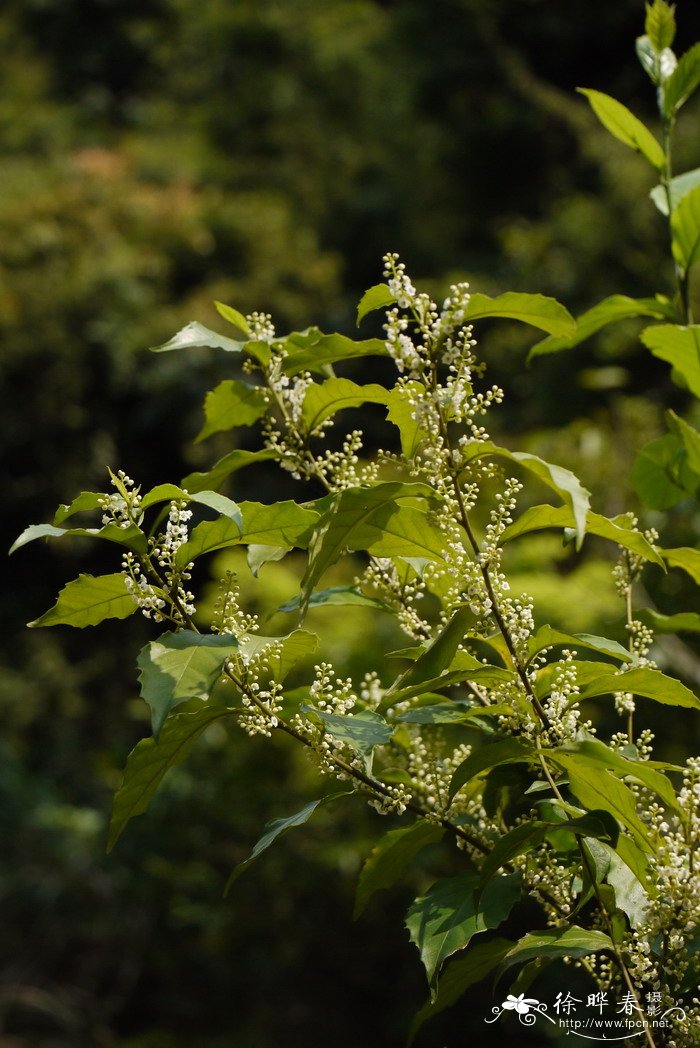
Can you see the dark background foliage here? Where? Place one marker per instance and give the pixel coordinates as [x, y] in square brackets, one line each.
[155, 156]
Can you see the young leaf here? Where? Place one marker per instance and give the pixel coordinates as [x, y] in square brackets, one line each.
[279, 524]
[556, 942]
[651, 684]
[685, 226]
[515, 750]
[232, 404]
[258, 554]
[377, 297]
[448, 916]
[85, 502]
[316, 353]
[181, 666]
[458, 976]
[324, 399]
[679, 186]
[402, 414]
[537, 310]
[275, 829]
[233, 317]
[609, 311]
[231, 463]
[391, 857]
[680, 347]
[683, 81]
[618, 120]
[151, 759]
[88, 600]
[363, 731]
[131, 537]
[196, 336]
[660, 24]
[399, 531]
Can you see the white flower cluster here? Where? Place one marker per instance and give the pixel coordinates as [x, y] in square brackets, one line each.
[228, 616]
[156, 581]
[560, 706]
[431, 770]
[261, 695]
[401, 590]
[122, 507]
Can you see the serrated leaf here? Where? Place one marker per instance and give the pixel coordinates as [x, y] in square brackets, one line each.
[557, 942]
[362, 731]
[685, 227]
[682, 622]
[232, 403]
[391, 857]
[339, 596]
[679, 186]
[546, 637]
[181, 666]
[85, 502]
[596, 753]
[538, 517]
[88, 600]
[377, 297]
[595, 787]
[196, 336]
[660, 473]
[402, 413]
[646, 682]
[445, 919]
[458, 976]
[279, 524]
[609, 311]
[275, 829]
[315, 353]
[399, 531]
[660, 24]
[686, 558]
[678, 346]
[683, 81]
[149, 761]
[513, 750]
[324, 399]
[625, 126]
[212, 478]
[233, 317]
[537, 310]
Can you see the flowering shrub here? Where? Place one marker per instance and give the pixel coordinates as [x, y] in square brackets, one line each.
[594, 830]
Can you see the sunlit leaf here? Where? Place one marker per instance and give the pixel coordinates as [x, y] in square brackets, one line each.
[231, 404]
[649, 683]
[323, 400]
[684, 557]
[618, 120]
[661, 475]
[278, 524]
[536, 310]
[685, 226]
[678, 187]
[338, 596]
[363, 731]
[88, 600]
[609, 311]
[595, 787]
[514, 750]
[546, 637]
[683, 81]
[377, 297]
[196, 336]
[316, 353]
[680, 347]
[233, 317]
[557, 942]
[131, 537]
[212, 478]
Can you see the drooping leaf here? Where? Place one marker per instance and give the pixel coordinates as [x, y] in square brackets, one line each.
[181, 666]
[391, 857]
[514, 750]
[131, 537]
[626, 127]
[546, 637]
[617, 530]
[458, 976]
[322, 400]
[661, 475]
[630, 895]
[684, 557]
[596, 753]
[315, 353]
[445, 919]
[679, 186]
[258, 554]
[682, 622]
[275, 829]
[233, 317]
[85, 502]
[377, 297]
[537, 310]
[211, 479]
[338, 596]
[196, 336]
[609, 311]
[363, 731]
[232, 403]
[279, 524]
[151, 759]
[649, 683]
[557, 942]
[683, 81]
[678, 346]
[595, 787]
[88, 600]
[685, 226]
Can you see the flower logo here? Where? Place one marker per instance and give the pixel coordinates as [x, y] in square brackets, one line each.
[520, 1004]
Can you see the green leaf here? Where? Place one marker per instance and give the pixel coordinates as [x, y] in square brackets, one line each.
[377, 297]
[649, 58]
[283, 654]
[689, 437]
[316, 352]
[683, 81]
[89, 600]
[454, 712]
[231, 463]
[233, 317]
[195, 336]
[258, 554]
[151, 759]
[660, 24]
[563, 481]
[651, 684]
[458, 976]
[609, 311]
[438, 654]
[399, 531]
[630, 895]
[279, 524]
[617, 530]
[513, 750]
[536, 310]
[597, 788]
[686, 558]
[131, 537]
[685, 226]
[680, 347]
[362, 731]
[339, 596]
[181, 666]
[402, 414]
[227, 508]
[547, 637]
[618, 120]
[322, 401]
[86, 502]
[596, 753]
[556, 942]
[683, 622]
[660, 473]
[232, 404]
[679, 186]
[275, 829]
[445, 919]
[391, 857]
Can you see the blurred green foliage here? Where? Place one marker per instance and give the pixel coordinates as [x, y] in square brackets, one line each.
[155, 156]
